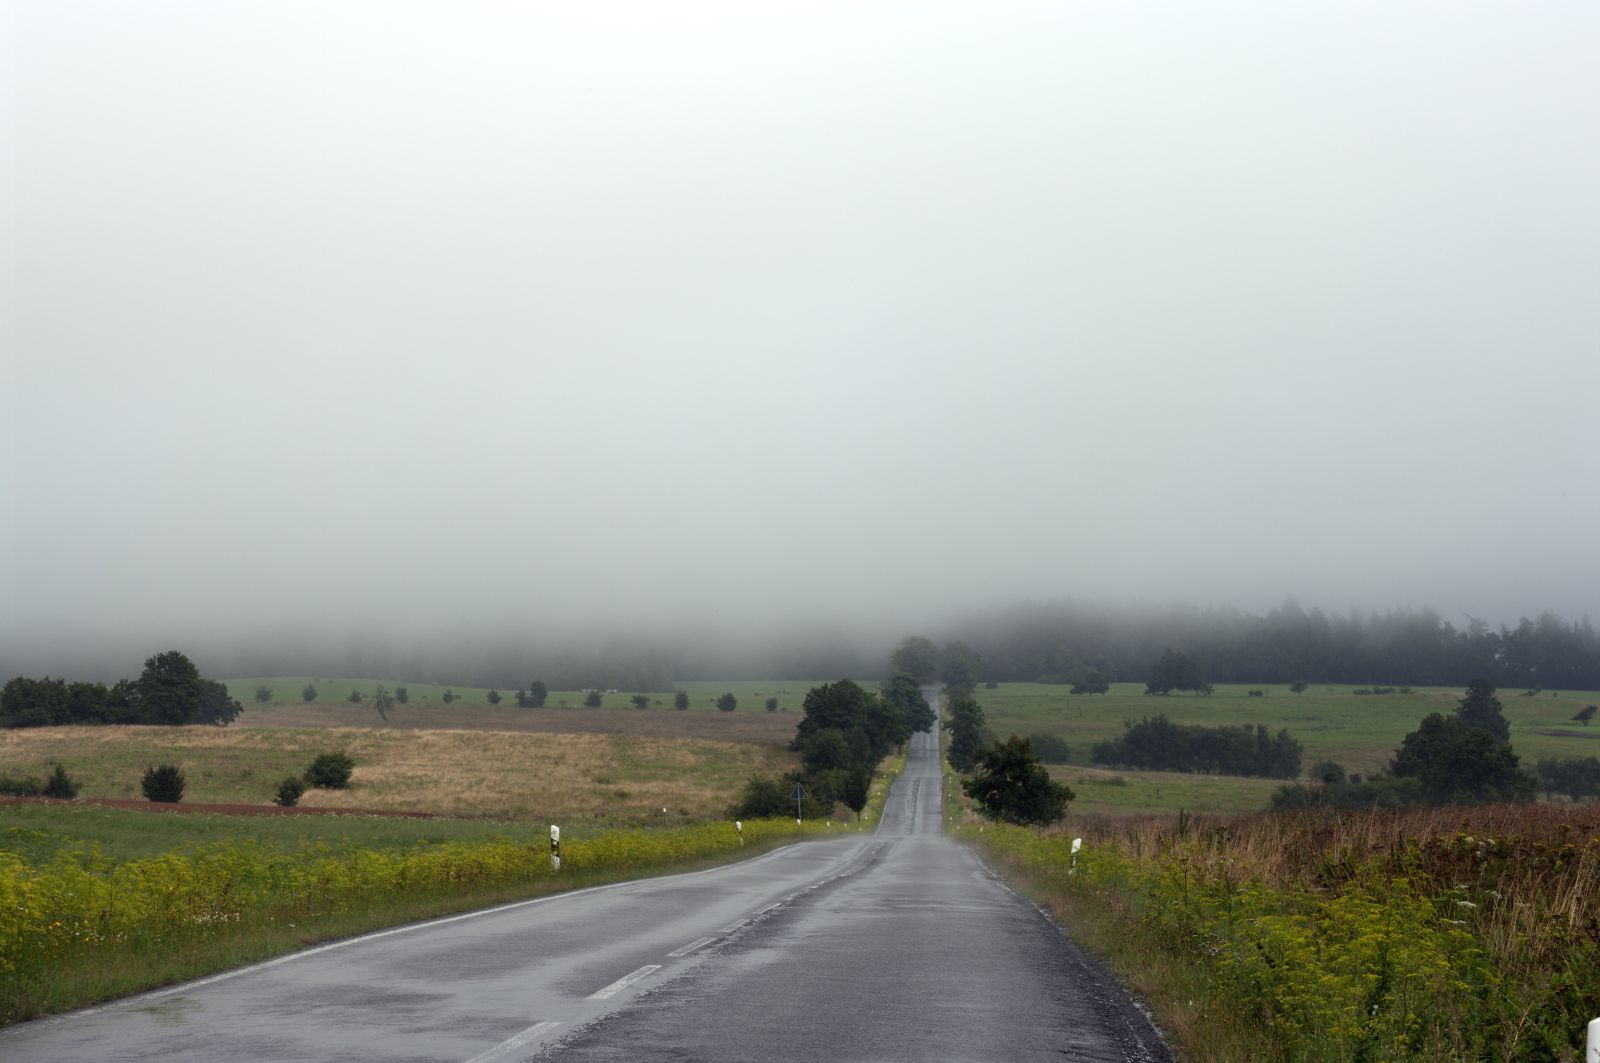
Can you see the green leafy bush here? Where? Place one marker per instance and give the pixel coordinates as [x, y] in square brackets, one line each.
[14, 787]
[289, 791]
[330, 771]
[60, 784]
[163, 783]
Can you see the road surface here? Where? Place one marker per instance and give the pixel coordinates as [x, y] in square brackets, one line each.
[898, 945]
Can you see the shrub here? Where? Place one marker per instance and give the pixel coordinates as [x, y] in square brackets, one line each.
[1052, 749]
[263, 694]
[991, 685]
[28, 787]
[772, 704]
[355, 697]
[402, 695]
[640, 701]
[448, 696]
[1329, 771]
[727, 702]
[493, 697]
[163, 784]
[680, 700]
[593, 699]
[1256, 693]
[289, 791]
[309, 693]
[331, 771]
[537, 693]
[60, 784]
[1298, 686]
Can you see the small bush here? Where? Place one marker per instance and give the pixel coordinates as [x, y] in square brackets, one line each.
[330, 771]
[29, 787]
[60, 784]
[309, 693]
[991, 685]
[727, 702]
[493, 697]
[680, 700]
[1049, 748]
[640, 701]
[355, 697]
[772, 704]
[448, 696]
[289, 791]
[402, 695]
[263, 694]
[1256, 693]
[163, 784]
[593, 699]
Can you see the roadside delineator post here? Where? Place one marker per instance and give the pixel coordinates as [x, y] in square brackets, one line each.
[1077, 843]
[739, 826]
[1592, 1053]
[555, 847]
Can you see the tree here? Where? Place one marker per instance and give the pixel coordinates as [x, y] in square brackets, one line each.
[289, 791]
[355, 697]
[966, 733]
[169, 690]
[680, 700]
[727, 702]
[905, 693]
[1049, 748]
[772, 704]
[640, 701]
[60, 784]
[593, 699]
[383, 701]
[1298, 686]
[1091, 683]
[916, 657]
[402, 695]
[1480, 708]
[263, 694]
[1174, 670]
[448, 696]
[493, 697]
[1010, 785]
[163, 784]
[216, 707]
[537, 693]
[1455, 761]
[309, 694]
[958, 667]
[1586, 714]
[1329, 771]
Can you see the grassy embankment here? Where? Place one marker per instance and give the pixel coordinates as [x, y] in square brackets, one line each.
[1429, 934]
[1361, 732]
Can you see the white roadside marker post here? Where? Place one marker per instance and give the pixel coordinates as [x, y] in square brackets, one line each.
[555, 847]
[738, 825]
[1077, 843]
[1592, 1053]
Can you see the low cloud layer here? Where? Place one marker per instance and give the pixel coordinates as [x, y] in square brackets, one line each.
[717, 318]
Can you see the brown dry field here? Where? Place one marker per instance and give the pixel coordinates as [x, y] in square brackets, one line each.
[601, 778]
[768, 728]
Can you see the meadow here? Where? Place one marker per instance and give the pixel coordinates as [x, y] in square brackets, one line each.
[1360, 732]
[1448, 933]
[600, 779]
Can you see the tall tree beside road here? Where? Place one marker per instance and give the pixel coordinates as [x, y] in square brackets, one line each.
[916, 657]
[966, 727]
[958, 667]
[905, 694]
[1009, 784]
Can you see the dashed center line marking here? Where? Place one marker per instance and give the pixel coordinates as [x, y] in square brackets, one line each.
[698, 943]
[504, 1049]
[624, 982]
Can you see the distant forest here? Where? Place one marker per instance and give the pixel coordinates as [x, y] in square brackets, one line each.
[1055, 641]
[1062, 642]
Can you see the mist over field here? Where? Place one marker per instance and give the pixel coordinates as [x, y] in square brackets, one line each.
[742, 334]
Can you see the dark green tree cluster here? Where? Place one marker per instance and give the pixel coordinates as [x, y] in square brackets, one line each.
[1009, 784]
[171, 690]
[533, 696]
[1175, 670]
[1158, 743]
[1091, 683]
[968, 735]
[904, 693]
[1576, 777]
[727, 702]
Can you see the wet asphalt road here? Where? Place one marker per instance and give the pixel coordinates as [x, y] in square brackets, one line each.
[900, 945]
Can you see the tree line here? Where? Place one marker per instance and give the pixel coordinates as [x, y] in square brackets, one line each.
[170, 690]
[1064, 642]
[1158, 743]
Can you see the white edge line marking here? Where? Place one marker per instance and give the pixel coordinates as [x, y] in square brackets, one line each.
[731, 927]
[698, 943]
[624, 982]
[769, 908]
[222, 976]
[515, 1042]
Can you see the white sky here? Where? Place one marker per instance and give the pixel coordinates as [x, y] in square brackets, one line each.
[327, 311]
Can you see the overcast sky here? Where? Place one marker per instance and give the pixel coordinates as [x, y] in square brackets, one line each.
[651, 310]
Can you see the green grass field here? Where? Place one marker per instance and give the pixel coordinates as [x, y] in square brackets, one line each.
[1361, 732]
